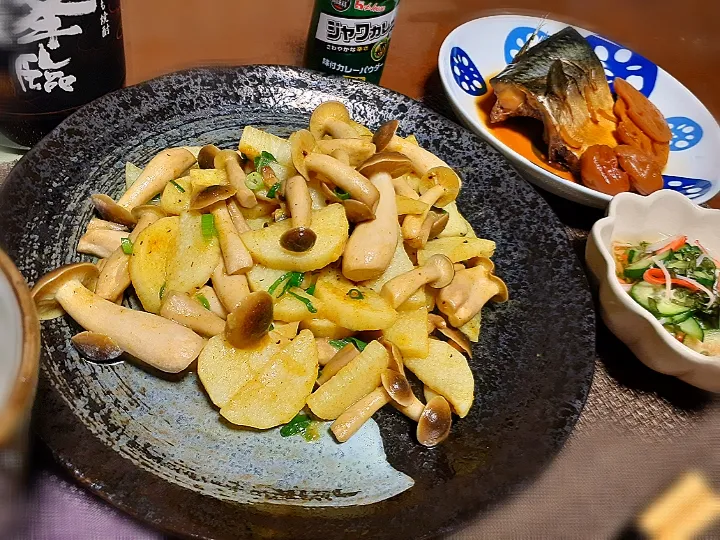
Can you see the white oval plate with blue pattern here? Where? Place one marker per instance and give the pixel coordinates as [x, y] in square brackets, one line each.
[479, 49]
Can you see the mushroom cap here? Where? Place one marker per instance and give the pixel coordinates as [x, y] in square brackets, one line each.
[251, 320]
[326, 111]
[445, 268]
[112, 211]
[357, 151]
[395, 361]
[384, 134]
[302, 143]
[43, 293]
[435, 422]
[397, 387]
[445, 177]
[298, 239]
[393, 163]
[330, 195]
[502, 295]
[206, 156]
[96, 347]
[357, 211]
[440, 221]
[223, 156]
[138, 211]
[454, 335]
[210, 195]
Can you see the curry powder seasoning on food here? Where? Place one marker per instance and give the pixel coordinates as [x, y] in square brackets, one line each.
[351, 37]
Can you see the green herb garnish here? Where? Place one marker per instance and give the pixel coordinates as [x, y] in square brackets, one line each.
[296, 426]
[208, 226]
[156, 199]
[277, 282]
[126, 245]
[177, 186]
[254, 181]
[273, 190]
[263, 160]
[311, 290]
[306, 301]
[340, 343]
[203, 300]
[341, 194]
[294, 279]
[355, 294]
[162, 290]
[272, 327]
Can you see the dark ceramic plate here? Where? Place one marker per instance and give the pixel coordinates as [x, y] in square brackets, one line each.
[156, 448]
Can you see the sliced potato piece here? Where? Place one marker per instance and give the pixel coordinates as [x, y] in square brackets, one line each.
[261, 278]
[290, 308]
[173, 200]
[472, 328]
[456, 225]
[457, 249]
[329, 224]
[447, 372]
[280, 390]
[203, 178]
[254, 141]
[194, 257]
[352, 306]
[224, 369]
[354, 381]
[287, 330]
[399, 264]
[324, 328]
[152, 250]
[410, 333]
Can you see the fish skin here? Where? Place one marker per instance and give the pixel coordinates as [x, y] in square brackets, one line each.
[561, 82]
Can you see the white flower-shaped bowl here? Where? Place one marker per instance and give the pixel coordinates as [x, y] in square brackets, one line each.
[634, 218]
[478, 50]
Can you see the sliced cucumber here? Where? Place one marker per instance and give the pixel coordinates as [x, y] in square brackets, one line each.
[692, 328]
[680, 318]
[637, 269]
[667, 308]
[645, 294]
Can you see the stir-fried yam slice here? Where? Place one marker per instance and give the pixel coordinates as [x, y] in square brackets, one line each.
[195, 254]
[354, 381]
[457, 249]
[280, 390]
[446, 371]
[409, 333]
[176, 196]
[297, 305]
[325, 328]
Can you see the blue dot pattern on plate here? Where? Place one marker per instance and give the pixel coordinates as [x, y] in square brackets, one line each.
[686, 133]
[465, 73]
[691, 187]
[517, 38]
[621, 62]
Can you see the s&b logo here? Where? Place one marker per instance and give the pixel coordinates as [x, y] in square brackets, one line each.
[341, 5]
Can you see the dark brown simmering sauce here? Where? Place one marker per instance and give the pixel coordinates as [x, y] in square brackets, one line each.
[523, 135]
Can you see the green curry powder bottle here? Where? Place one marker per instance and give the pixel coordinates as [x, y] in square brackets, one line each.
[351, 37]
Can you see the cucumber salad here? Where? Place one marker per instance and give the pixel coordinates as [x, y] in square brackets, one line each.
[677, 281]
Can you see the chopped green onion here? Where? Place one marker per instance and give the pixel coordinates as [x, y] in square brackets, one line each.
[307, 302]
[203, 300]
[156, 199]
[355, 294]
[264, 159]
[277, 282]
[311, 290]
[340, 343]
[254, 181]
[126, 245]
[208, 226]
[341, 194]
[295, 280]
[297, 425]
[272, 327]
[273, 190]
[177, 186]
[162, 291]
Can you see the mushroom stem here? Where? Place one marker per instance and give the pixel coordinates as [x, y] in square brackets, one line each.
[100, 242]
[372, 244]
[403, 188]
[97, 223]
[165, 166]
[326, 352]
[299, 204]
[350, 421]
[161, 343]
[236, 256]
[344, 177]
[215, 305]
[355, 150]
[338, 129]
[179, 307]
[422, 160]
[437, 272]
[341, 155]
[230, 289]
[341, 359]
[413, 411]
[237, 217]
[412, 225]
[229, 161]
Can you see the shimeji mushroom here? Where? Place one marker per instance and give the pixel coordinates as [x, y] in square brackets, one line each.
[438, 272]
[352, 419]
[299, 204]
[302, 144]
[213, 301]
[251, 320]
[326, 352]
[164, 167]
[356, 150]
[398, 387]
[344, 177]
[206, 156]
[229, 161]
[96, 347]
[100, 242]
[115, 274]
[160, 343]
[456, 337]
[210, 195]
[341, 359]
[438, 187]
[97, 223]
[183, 309]
[422, 160]
[469, 291]
[435, 422]
[231, 290]
[111, 211]
[332, 118]
[237, 216]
